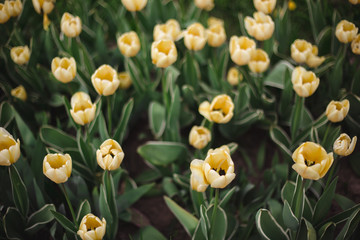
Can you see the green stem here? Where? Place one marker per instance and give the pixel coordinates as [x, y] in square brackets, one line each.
[332, 171]
[69, 203]
[215, 208]
[109, 114]
[326, 134]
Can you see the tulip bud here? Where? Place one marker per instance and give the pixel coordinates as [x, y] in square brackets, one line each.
[304, 82]
[291, 5]
[195, 37]
[234, 76]
[214, 21]
[355, 45]
[70, 25]
[110, 155]
[311, 161]
[134, 5]
[82, 109]
[221, 109]
[14, 8]
[259, 61]
[216, 35]
[129, 44]
[199, 137]
[343, 145]
[241, 49]
[198, 181]
[57, 167]
[9, 148]
[19, 92]
[170, 30]
[354, 2]
[64, 69]
[4, 14]
[346, 31]
[218, 167]
[337, 111]
[105, 80]
[261, 27]
[265, 6]
[92, 228]
[163, 53]
[313, 60]
[20, 55]
[301, 50]
[204, 4]
[43, 6]
[125, 80]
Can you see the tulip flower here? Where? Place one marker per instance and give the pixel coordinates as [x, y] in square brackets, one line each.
[9, 148]
[92, 228]
[105, 80]
[354, 2]
[221, 109]
[134, 5]
[265, 6]
[300, 50]
[20, 55]
[337, 111]
[313, 59]
[19, 92]
[163, 53]
[234, 76]
[129, 44]
[170, 30]
[44, 7]
[345, 31]
[110, 155]
[199, 137]
[291, 5]
[216, 35]
[82, 109]
[4, 13]
[355, 45]
[204, 4]
[57, 167]
[198, 181]
[261, 27]
[343, 145]
[214, 21]
[195, 37]
[64, 69]
[70, 25]
[14, 8]
[304, 82]
[125, 80]
[259, 61]
[241, 49]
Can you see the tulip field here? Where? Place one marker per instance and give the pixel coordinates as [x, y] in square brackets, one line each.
[184, 119]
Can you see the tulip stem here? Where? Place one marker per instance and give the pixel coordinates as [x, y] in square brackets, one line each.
[326, 135]
[333, 169]
[69, 203]
[109, 114]
[215, 208]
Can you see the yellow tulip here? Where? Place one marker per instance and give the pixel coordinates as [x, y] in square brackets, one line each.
[19, 92]
[82, 109]
[4, 13]
[204, 4]
[14, 8]
[337, 111]
[195, 37]
[221, 109]
[234, 76]
[346, 31]
[43, 6]
[70, 25]
[311, 161]
[214, 21]
[198, 181]
[265, 6]
[125, 80]
[92, 228]
[355, 45]
[134, 5]
[241, 49]
[300, 50]
[63, 69]
[354, 2]
[304, 82]
[57, 167]
[343, 145]
[110, 155]
[170, 30]
[259, 61]
[291, 5]
[216, 35]
[129, 44]
[199, 137]
[163, 53]
[313, 60]
[261, 27]
[105, 80]
[9, 148]
[20, 55]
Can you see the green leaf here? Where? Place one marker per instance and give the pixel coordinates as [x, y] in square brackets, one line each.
[104, 208]
[197, 199]
[342, 216]
[6, 114]
[344, 202]
[57, 138]
[350, 226]
[289, 217]
[280, 137]
[125, 117]
[298, 200]
[191, 71]
[213, 76]
[19, 191]
[84, 209]
[219, 226]
[13, 224]
[68, 108]
[327, 231]
[297, 115]
[268, 227]
[157, 119]
[129, 197]
[40, 218]
[228, 196]
[169, 187]
[204, 222]
[276, 77]
[87, 152]
[187, 220]
[26, 134]
[149, 232]
[66, 223]
[102, 128]
[135, 75]
[198, 234]
[306, 231]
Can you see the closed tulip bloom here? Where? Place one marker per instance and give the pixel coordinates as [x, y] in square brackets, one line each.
[14, 8]
[82, 109]
[129, 44]
[343, 145]
[204, 4]
[312, 161]
[198, 181]
[70, 25]
[199, 137]
[9, 148]
[291, 5]
[234, 76]
[134, 5]
[57, 167]
[354, 2]
[64, 69]
[163, 53]
[355, 45]
[304, 82]
[19, 92]
[105, 80]
[313, 59]
[301, 50]
[4, 14]
[346, 31]
[170, 30]
[241, 49]
[337, 111]
[92, 228]
[43, 6]
[216, 35]
[125, 80]
[261, 27]
[110, 155]
[214, 21]
[265, 6]
[220, 110]
[20, 55]
[195, 37]
[259, 61]
[218, 167]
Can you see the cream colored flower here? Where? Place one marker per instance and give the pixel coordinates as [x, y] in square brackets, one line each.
[221, 109]
[134, 5]
[265, 6]
[163, 53]
[337, 111]
[214, 21]
[218, 167]
[92, 228]
[354, 2]
[301, 50]
[345, 31]
[199, 137]
[64, 69]
[355, 45]
[304, 82]
[70, 25]
[216, 35]
[125, 80]
[261, 27]
[198, 181]
[312, 161]
[105, 80]
[170, 30]
[14, 8]
[43, 6]
[9, 148]
[195, 37]
[259, 61]
[241, 49]
[234, 76]
[19, 92]
[20, 55]
[57, 167]
[82, 109]
[110, 155]
[4, 13]
[204, 4]
[343, 145]
[313, 59]
[129, 44]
